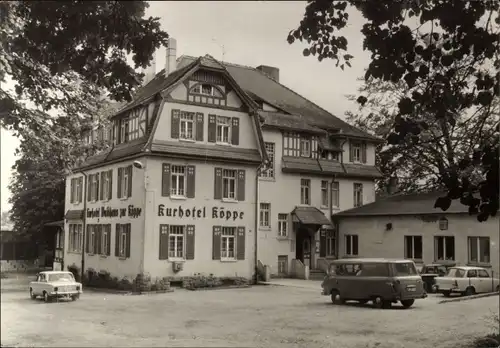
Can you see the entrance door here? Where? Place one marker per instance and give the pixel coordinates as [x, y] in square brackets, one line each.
[303, 247]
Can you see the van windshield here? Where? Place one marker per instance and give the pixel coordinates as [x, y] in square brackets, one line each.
[402, 269]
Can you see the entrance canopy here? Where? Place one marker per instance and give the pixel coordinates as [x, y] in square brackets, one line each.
[74, 215]
[310, 217]
[56, 223]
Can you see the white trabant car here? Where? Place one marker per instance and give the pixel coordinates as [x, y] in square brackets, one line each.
[55, 284]
[466, 281]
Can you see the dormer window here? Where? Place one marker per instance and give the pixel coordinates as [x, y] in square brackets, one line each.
[204, 89]
[356, 152]
[305, 147]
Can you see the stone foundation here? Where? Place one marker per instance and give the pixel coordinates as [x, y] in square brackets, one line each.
[17, 265]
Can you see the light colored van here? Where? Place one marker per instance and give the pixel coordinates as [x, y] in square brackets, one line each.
[382, 281]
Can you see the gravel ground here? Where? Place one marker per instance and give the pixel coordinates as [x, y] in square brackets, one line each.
[261, 316]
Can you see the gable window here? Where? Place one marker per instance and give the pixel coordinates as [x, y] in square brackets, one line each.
[282, 225]
[265, 214]
[178, 181]
[324, 193]
[268, 172]
[124, 182]
[479, 249]
[176, 239]
[335, 194]
[413, 247]
[186, 125]
[229, 184]
[297, 145]
[305, 147]
[444, 248]
[443, 224]
[351, 245]
[358, 195]
[228, 243]
[224, 129]
[356, 152]
[305, 191]
[204, 89]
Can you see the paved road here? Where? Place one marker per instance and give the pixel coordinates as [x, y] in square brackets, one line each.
[262, 316]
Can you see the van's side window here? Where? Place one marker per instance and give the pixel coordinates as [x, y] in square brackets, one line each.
[374, 270]
[347, 269]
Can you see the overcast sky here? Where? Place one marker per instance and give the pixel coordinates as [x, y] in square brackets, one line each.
[252, 33]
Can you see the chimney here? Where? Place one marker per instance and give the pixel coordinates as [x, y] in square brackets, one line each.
[171, 63]
[271, 71]
[392, 187]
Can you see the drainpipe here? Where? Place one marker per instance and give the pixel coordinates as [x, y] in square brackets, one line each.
[84, 227]
[337, 232]
[256, 241]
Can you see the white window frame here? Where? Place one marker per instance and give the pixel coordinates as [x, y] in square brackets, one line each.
[331, 243]
[351, 237]
[282, 225]
[265, 215]
[122, 241]
[413, 238]
[335, 198]
[228, 176]
[356, 152]
[228, 234]
[324, 193]
[94, 188]
[223, 125]
[305, 191]
[477, 241]
[305, 147]
[91, 237]
[268, 172]
[179, 172]
[75, 238]
[177, 235]
[358, 194]
[186, 119]
[105, 185]
[124, 183]
[436, 251]
[105, 238]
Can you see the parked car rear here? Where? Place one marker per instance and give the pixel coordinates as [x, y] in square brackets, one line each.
[381, 281]
[467, 281]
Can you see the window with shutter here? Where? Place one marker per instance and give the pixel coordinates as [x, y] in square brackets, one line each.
[228, 243]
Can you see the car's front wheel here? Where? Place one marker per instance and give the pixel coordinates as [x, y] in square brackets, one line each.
[75, 297]
[46, 297]
[446, 293]
[32, 294]
[470, 291]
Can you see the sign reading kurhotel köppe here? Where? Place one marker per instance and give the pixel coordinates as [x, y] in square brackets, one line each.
[200, 213]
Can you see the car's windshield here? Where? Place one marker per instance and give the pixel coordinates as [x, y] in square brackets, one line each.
[456, 273]
[404, 269]
[60, 277]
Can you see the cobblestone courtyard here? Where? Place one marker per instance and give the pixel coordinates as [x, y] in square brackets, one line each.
[262, 316]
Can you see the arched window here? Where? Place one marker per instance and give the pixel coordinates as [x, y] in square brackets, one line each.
[206, 90]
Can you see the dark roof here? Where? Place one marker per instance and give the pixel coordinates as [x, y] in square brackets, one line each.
[205, 151]
[74, 214]
[122, 150]
[319, 166]
[310, 216]
[256, 82]
[289, 122]
[408, 204]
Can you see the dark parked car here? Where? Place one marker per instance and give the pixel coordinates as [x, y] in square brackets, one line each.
[430, 272]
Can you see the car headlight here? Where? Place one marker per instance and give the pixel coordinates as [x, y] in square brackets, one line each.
[55, 288]
[78, 287]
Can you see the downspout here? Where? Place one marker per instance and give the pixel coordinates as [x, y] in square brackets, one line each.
[84, 228]
[337, 232]
[256, 241]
